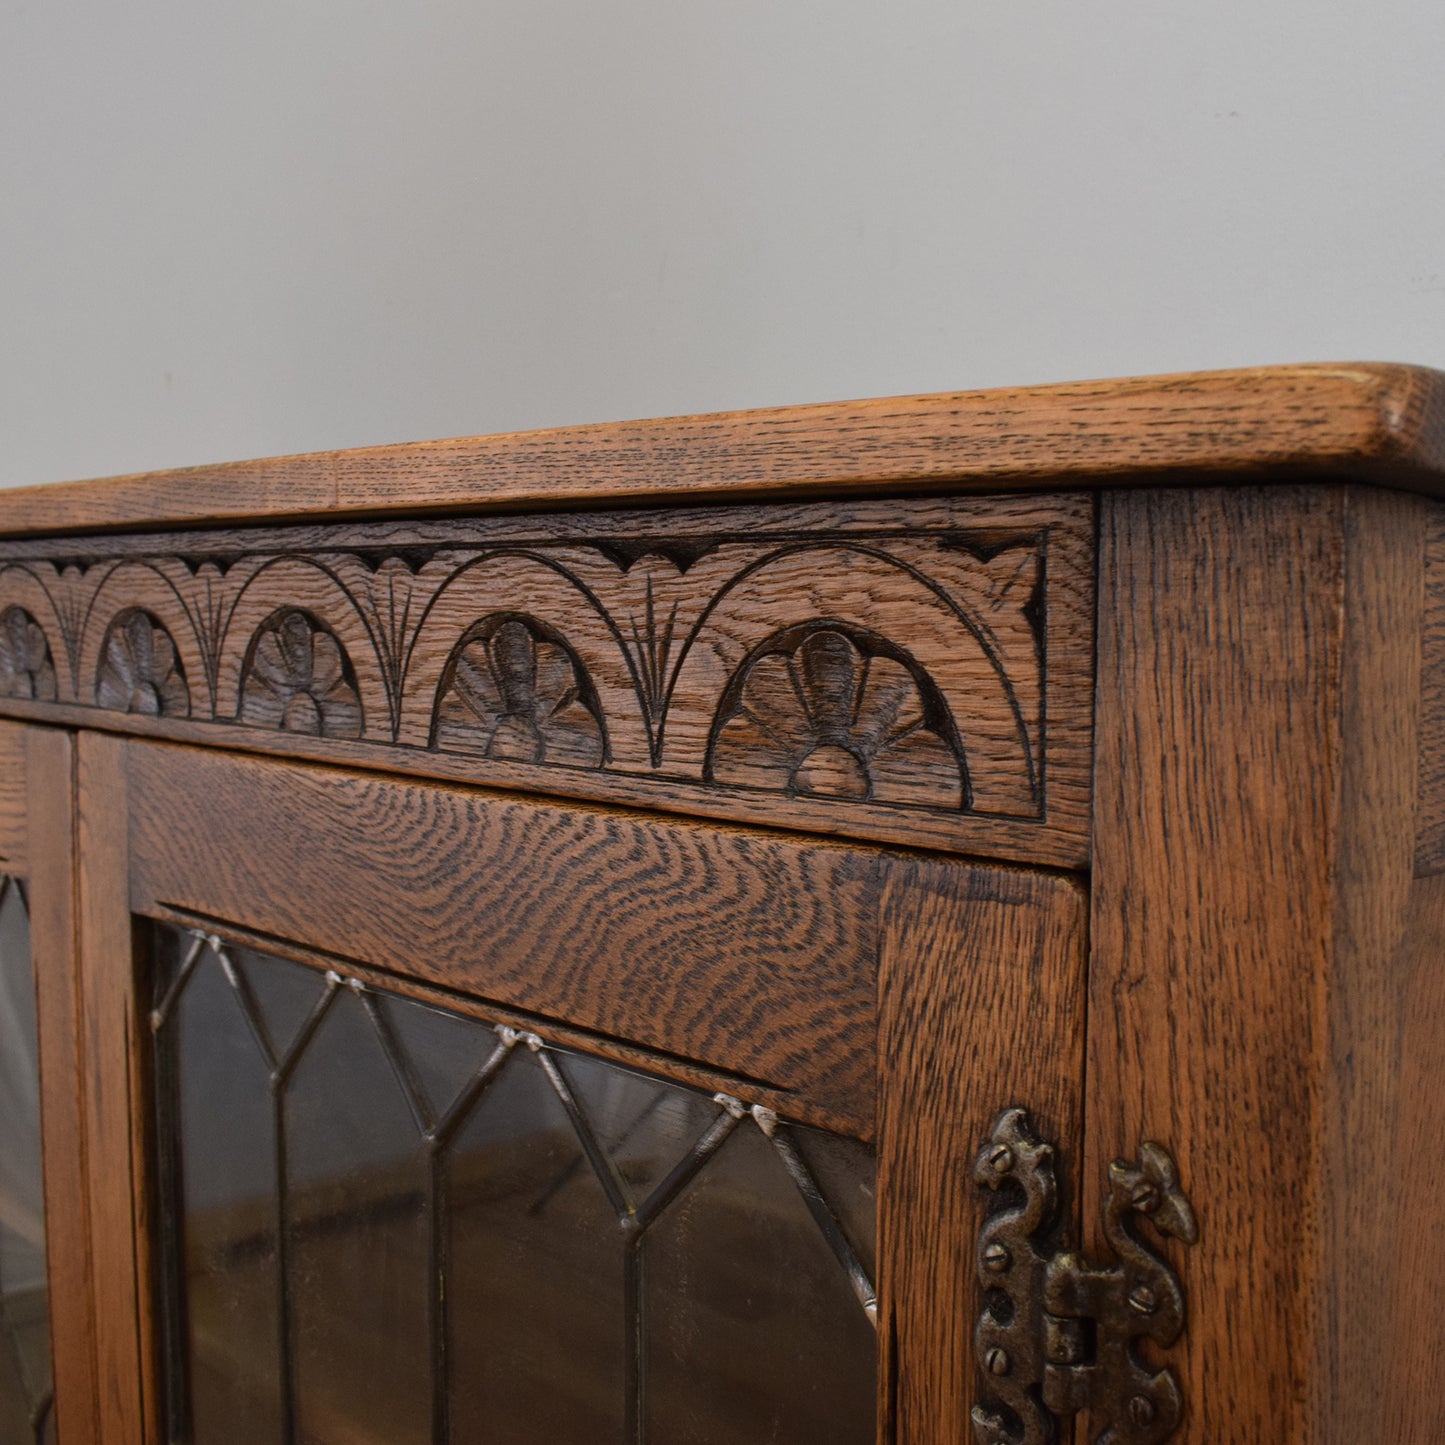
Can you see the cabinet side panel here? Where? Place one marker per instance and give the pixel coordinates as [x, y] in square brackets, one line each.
[50, 784]
[114, 1103]
[981, 1007]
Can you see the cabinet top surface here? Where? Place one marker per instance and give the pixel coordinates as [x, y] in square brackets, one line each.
[1372, 422]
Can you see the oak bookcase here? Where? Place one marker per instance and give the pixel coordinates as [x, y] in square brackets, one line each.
[717, 830]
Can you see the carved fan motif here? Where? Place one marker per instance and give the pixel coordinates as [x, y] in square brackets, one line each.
[834, 712]
[298, 678]
[514, 691]
[26, 669]
[140, 671]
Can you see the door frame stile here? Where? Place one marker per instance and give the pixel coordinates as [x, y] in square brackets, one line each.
[115, 1099]
[966, 953]
[53, 866]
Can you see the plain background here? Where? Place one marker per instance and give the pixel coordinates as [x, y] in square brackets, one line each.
[237, 229]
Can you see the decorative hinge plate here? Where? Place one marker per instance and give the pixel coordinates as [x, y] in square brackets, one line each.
[1057, 1335]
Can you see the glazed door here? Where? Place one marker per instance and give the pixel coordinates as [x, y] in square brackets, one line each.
[423, 1114]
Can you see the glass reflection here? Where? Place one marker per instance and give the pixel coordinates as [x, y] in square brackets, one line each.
[395, 1222]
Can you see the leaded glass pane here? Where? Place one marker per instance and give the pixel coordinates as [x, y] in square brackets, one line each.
[537, 1318]
[356, 1237]
[748, 1314]
[214, 1080]
[396, 1223]
[26, 1412]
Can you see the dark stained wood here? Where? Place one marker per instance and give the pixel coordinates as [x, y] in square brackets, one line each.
[49, 779]
[1255, 943]
[14, 801]
[114, 1101]
[752, 953]
[981, 1006]
[915, 672]
[1382, 423]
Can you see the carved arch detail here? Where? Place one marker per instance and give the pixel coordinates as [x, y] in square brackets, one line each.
[562, 598]
[155, 589]
[27, 668]
[262, 592]
[837, 712]
[515, 690]
[140, 670]
[875, 668]
[867, 593]
[31, 588]
[297, 678]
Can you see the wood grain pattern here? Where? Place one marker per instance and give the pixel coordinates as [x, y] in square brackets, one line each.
[912, 672]
[114, 1101]
[1430, 805]
[981, 1005]
[687, 1072]
[14, 801]
[1253, 944]
[747, 952]
[49, 779]
[1381, 423]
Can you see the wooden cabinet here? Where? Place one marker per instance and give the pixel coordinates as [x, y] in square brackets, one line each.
[539, 938]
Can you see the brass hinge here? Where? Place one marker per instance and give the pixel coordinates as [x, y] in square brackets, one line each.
[1057, 1335]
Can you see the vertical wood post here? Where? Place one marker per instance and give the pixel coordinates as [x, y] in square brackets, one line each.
[115, 1116]
[980, 1007]
[49, 775]
[1257, 1001]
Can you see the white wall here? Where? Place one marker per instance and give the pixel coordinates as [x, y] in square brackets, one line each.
[233, 229]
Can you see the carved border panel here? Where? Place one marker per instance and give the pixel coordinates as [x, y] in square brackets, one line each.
[909, 670]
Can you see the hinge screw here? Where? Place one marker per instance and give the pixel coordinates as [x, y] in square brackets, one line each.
[996, 1258]
[998, 1361]
[1141, 1410]
[1001, 1160]
[1143, 1300]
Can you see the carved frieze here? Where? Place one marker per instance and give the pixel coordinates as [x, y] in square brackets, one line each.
[848, 668]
